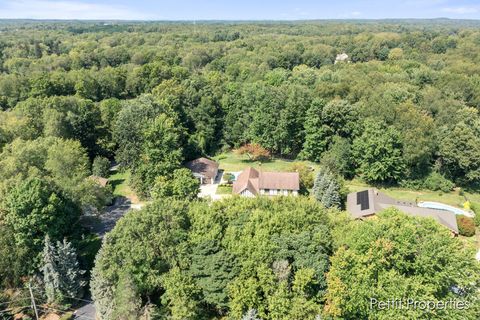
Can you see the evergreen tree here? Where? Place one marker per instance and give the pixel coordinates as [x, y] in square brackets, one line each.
[331, 196]
[61, 272]
[69, 269]
[51, 277]
[127, 300]
[327, 189]
[321, 184]
[101, 288]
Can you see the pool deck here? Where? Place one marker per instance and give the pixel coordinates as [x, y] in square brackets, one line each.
[446, 207]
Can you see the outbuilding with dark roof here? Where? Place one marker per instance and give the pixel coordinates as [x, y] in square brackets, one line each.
[204, 169]
[369, 202]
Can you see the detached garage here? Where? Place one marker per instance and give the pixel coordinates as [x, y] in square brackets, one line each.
[204, 169]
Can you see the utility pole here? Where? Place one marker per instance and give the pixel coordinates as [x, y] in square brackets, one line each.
[34, 306]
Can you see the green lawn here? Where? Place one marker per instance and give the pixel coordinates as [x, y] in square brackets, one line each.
[120, 184]
[231, 162]
[452, 198]
[224, 189]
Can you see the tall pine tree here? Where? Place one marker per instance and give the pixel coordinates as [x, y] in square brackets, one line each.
[51, 277]
[331, 196]
[127, 301]
[61, 272]
[69, 269]
[326, 189]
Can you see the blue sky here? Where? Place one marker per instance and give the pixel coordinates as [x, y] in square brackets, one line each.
[238, 9]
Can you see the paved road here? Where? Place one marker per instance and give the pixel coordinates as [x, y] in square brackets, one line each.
[86, 311]
[101, 225]
[105, 222]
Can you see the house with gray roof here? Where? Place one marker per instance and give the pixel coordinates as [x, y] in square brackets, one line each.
[369, 202]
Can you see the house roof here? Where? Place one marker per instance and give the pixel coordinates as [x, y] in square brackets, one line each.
[371, 201]
[203, 166]
[255, 180]
[101, 181]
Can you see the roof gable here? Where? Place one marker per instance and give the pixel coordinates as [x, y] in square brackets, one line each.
[255, 180]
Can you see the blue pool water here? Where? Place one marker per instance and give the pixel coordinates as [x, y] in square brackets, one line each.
[441, 206]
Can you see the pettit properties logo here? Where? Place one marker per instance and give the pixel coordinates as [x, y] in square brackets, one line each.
[408, 303]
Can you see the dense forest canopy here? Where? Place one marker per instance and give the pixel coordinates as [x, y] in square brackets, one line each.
[400, 108]
[409, 93]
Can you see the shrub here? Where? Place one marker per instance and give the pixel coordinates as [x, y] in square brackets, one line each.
[476, 209]
[229, 177]
[254, 151]
[306, 176]
[100, 166]
[66, 316]
[437, 182]
[466, 226]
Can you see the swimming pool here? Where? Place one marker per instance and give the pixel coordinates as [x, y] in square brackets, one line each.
[446, 207]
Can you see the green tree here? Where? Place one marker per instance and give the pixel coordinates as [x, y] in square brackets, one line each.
[377, 153]
[161, 153]
[338, 157]
[459, 151]
[101, 167]
[243, 258]
[403, 257]
[149, 243]
[326, 188]
[129, 127]
[315, 137]
[109, 110]
[306, 176]
[182, 185]
[33, 209]
[12, 259]
[127, 300]
[63, 162]
[181, 295]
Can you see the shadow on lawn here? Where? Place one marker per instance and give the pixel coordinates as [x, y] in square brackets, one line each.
[116, 182]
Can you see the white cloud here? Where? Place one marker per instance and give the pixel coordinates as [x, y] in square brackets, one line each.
[461, 10]
[66, 9]
[355, 13]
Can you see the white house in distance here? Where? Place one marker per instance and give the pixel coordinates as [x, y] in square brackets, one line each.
[342, 57]
[204, 169]
[252, 182]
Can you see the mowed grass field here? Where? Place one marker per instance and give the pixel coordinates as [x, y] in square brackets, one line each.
[120, 184]
[231, 162]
